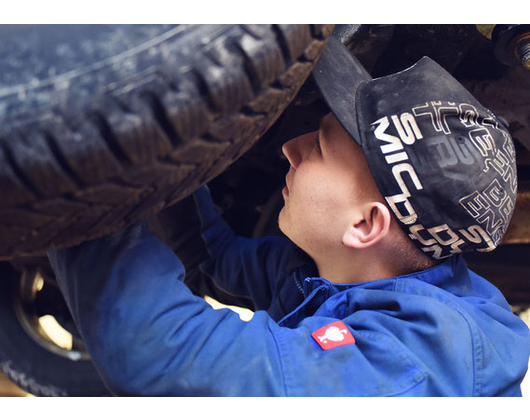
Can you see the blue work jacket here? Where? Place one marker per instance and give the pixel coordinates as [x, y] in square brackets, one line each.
[444, 331]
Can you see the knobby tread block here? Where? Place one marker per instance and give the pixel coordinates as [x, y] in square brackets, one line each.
[140, 145]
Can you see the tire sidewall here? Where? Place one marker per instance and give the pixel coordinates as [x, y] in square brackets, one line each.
[29, 365]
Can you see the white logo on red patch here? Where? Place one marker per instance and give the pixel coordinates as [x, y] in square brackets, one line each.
[333, 335]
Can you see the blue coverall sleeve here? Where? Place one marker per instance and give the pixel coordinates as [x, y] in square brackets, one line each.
[241, 266]
[148, 334]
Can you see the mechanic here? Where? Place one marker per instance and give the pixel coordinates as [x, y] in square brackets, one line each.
[369, 294]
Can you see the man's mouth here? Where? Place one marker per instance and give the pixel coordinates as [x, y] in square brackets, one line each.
[285, 190]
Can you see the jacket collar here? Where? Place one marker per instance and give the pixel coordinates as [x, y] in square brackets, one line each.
[442, 275]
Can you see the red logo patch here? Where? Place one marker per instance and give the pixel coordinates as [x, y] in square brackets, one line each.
[333, 335]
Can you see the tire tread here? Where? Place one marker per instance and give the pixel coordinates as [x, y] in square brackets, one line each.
[192, 122]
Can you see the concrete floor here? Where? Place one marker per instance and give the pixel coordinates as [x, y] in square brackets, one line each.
[8, 389]
[525, 386]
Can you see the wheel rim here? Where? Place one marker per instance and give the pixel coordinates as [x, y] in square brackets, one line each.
[45, 330]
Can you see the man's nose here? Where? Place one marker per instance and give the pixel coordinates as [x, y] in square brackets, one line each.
[295, 150]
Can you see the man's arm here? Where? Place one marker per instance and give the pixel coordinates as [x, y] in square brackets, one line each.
[219, 263]
[148, 334]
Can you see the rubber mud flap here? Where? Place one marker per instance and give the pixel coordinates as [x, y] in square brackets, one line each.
[104, 125]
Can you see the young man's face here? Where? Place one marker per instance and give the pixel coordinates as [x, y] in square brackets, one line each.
[327, 182]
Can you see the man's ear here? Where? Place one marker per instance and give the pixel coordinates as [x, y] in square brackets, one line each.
[370, 229]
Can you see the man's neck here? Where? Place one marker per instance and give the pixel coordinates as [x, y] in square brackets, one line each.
[354, 267]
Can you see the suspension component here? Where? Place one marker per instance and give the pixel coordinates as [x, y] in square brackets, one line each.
[511, 44]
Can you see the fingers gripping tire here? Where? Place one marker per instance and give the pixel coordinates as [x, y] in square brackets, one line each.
[104, 125]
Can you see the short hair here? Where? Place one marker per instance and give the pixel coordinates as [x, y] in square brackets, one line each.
[410, 258]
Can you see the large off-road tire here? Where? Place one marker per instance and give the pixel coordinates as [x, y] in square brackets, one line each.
[101, 126]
